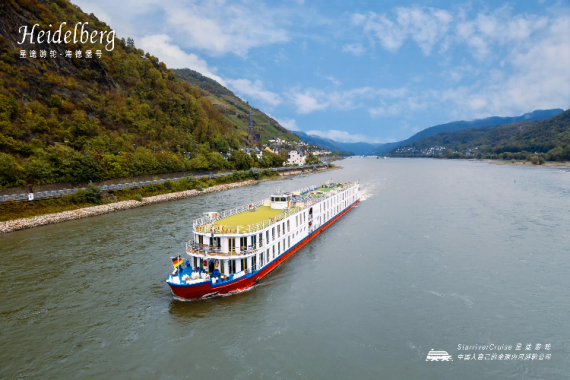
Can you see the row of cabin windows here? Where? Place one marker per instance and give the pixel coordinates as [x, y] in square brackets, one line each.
[264, 259]
[278, 199]
[216, 241]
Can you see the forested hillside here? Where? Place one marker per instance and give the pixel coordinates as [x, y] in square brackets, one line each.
[234, 109]
[463, 125]
[87, 117]
[547, 139]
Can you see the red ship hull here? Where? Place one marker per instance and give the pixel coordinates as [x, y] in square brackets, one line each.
[207, 290]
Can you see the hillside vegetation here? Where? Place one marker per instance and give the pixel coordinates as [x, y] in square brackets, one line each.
[80, 119]
[463, 125]
[545, 140]
[234, 109]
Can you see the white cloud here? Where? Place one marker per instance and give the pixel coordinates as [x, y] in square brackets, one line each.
[308, 101]
[290, 124]
[343, 136]
[96, 9]
[540, 79]
[159, 45]
[497, 28]
[311, 100]
[400, 105]
[332, 79]
[428, 26]
[356, 49]
[221, 27]
[425, 25]
[535, 75]
[255, 90]
[216, 26]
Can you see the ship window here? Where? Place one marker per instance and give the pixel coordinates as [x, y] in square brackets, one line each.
[267, 252]
[279, 248]
[254, 262]
[272, 199]
[200, 239]
[273, 234]
[232, 266]
[232, 244]
[261, 239]
[288, 226]
[261, 259]
[243, 241]
[289, 242]
[267, 235]
[273, 251]
[253, 240]
[278, 230]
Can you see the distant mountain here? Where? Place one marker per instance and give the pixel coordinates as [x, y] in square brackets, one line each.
[549, 138]
[462, 125]
[358, 148]
[234, 109]
[315, 140]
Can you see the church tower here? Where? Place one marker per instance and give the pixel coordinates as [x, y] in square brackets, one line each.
[252, 138]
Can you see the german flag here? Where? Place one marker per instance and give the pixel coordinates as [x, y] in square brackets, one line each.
[176, 261]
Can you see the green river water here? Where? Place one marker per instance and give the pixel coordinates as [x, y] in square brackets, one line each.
[439, 253]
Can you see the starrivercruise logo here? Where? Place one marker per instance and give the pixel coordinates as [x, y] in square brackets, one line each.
[494, 352]
[438, 356]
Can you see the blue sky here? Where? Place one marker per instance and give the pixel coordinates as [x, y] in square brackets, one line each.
[373, 71]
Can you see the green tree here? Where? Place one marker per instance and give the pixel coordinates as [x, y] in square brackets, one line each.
[311, 160]
[11, 174]
[241, 160]
[94, 194]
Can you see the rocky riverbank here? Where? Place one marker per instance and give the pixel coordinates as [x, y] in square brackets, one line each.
[21, 224]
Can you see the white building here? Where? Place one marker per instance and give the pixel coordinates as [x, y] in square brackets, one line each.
[296, 158]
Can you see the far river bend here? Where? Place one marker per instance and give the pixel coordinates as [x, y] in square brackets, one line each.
[440, 253]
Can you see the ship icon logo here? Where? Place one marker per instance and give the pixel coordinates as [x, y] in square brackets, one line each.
[438, 356]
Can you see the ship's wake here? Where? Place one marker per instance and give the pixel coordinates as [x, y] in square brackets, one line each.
[367, 191]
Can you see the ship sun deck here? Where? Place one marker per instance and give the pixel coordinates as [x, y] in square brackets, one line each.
[256, 215]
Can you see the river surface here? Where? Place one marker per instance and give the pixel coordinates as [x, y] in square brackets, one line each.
[439, 253]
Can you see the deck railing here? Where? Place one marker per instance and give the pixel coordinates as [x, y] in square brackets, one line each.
[226, 213]
[204, 250]
[222, 229]
[206, 223]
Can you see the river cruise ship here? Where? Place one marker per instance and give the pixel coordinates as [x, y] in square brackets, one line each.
[232, 250]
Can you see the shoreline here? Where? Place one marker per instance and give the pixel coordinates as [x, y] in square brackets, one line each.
[43, 220]
[547, 164]
[60, 217]
[528, 164]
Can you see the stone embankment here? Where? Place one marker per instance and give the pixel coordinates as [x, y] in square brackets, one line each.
[20, 224]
